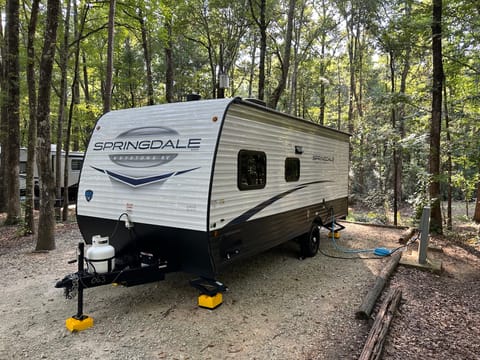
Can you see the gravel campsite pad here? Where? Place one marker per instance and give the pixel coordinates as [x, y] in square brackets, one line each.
[277, 306]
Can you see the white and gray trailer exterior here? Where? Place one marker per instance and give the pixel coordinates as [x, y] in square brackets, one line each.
[208, 182]
[75, 160]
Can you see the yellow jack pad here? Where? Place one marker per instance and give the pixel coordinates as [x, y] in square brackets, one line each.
[336, 235]
[210, 302]
[73, 324]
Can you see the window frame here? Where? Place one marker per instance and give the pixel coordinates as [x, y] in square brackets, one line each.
[288, 176]
[241, 157]
[80, 161]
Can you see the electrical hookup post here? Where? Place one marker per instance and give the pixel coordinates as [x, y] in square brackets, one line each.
[420, 258]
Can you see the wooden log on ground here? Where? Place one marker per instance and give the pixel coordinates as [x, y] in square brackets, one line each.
[365, 309]
[376, 338]
[383, 226]
[406, 235]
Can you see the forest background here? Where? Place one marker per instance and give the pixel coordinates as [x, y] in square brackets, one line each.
[402, 76]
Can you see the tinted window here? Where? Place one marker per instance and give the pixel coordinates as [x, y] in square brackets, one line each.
[23, 167]
[76, 164]
[292, 169]
[252, 170]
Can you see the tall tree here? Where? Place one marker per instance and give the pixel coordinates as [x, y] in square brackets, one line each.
[436, 120]
[107, 96]
[13, 112]
[260, 18]
[3, 121]
[32, 124]
[78, 31]
[285, 59]
[147, 56]
[169, 62]
[476, 216]
[46, 221]
[62, 104]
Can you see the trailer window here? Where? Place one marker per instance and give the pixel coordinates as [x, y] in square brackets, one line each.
[292, 169]
[23, 167]
[252, 170]
[76, 164]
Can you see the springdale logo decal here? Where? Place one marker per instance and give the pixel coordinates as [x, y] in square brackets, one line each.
[145, 147]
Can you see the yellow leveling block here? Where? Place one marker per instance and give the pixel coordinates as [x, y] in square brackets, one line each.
[336, 235]
[73, 324]
[210, 302]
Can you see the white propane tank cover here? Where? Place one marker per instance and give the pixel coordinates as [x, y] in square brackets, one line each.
[99, 255]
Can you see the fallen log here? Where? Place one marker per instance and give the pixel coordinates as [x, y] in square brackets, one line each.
[376, 338]
[407, 235]
[365, 309]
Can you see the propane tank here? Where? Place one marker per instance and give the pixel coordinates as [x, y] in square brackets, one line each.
[99, 255]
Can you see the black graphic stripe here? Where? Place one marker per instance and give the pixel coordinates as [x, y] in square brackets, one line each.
[249, 213]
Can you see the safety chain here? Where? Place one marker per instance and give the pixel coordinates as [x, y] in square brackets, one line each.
[71, 292]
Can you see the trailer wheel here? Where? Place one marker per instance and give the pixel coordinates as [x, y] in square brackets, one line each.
[310, 242]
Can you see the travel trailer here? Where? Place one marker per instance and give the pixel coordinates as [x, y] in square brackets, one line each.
[196, 186]
[75, 160]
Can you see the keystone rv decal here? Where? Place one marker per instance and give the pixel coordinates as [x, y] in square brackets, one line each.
[141, 181]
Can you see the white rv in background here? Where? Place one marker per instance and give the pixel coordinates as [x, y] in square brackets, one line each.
[199, 185]
[75, 160]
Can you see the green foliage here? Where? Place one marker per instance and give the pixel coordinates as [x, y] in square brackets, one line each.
[391, 39]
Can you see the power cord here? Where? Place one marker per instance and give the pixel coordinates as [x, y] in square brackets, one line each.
[379, 252]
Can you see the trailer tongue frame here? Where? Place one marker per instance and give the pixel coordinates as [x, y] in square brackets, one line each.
[150, 270]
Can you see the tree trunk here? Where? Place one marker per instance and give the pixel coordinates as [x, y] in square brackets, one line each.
[169, 74]
[76, 75]
[339, 97]
[476, 216]
[146, 57]
[401, 108]
[32, 125]
[107, 100]
[323, 68]
[61, 107]
[435, 127]
[86, 89]
[46, 223]
[285, 64]
[449, 161]
[396, 182]
[13, 112]
[3, 123]
[252, 66]
[262, 24]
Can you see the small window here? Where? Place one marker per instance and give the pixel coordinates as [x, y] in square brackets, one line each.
[292, 169]
[76, 164]
[23, 167]
[252, 170]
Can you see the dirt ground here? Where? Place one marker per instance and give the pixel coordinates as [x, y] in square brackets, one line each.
[277, 306]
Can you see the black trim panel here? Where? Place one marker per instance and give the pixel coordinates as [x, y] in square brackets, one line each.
[205, 254]
[238, 240]
[184, 250]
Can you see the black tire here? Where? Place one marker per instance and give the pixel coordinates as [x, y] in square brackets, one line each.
[310, 242]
